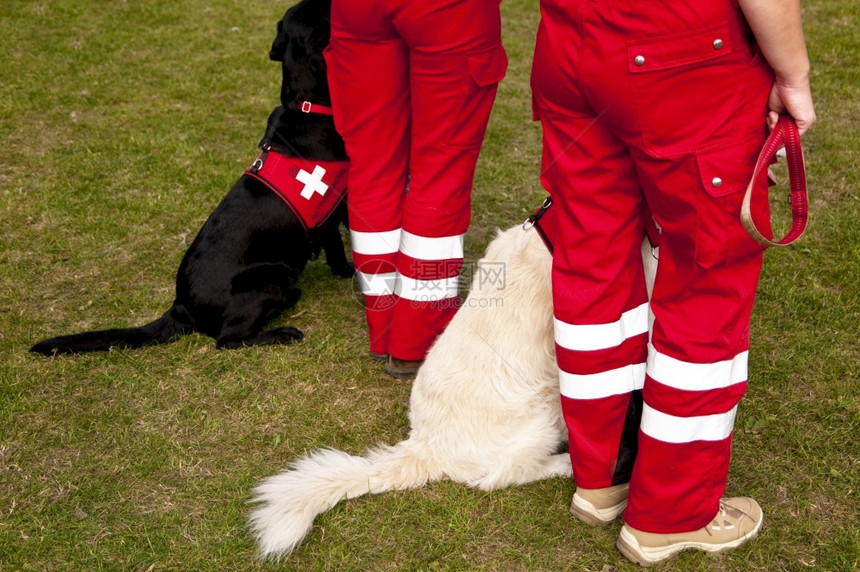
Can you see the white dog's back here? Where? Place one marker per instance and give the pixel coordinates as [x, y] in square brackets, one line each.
[484, 408]
[486, 401]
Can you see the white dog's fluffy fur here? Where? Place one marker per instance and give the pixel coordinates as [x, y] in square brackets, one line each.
[484, 410]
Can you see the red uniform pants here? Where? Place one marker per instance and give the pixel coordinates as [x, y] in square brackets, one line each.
[659, 105]
[412, 85]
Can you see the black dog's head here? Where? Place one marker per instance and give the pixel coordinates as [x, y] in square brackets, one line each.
[302, 35]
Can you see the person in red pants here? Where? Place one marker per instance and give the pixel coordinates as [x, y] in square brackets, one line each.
[662, 106]
[412, 85]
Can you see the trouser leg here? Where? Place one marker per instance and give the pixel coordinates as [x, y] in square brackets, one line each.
[368, 67]
[450, 114]
[456, 61]
[697, 364]
[599, 294]
[412, 85]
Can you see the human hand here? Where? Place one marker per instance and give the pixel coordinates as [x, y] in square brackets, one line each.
[793, 97]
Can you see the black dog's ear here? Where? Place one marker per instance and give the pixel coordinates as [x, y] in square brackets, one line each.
[279, 46]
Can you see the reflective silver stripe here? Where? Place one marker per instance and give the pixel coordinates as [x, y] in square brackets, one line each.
[671, 429]
[426, 290]
[431, 248]
[604, 384]
[375, 243]
[696, 376]
[592, 337]
[376, 284]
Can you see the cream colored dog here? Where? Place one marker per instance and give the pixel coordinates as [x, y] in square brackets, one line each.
[484, 411]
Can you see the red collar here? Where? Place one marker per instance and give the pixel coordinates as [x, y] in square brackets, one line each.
[312, 189]
[308, 107]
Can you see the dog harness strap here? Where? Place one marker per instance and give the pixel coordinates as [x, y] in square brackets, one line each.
[312, 189]
[543, 221]
[308, 107]
[785, 133]
[534, 221]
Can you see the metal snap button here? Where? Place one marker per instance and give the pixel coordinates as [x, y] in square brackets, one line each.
[639, 60]
[717, 182]
[718, 44]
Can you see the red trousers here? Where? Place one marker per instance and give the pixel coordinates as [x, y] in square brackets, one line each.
[412, 85]
[661, 106]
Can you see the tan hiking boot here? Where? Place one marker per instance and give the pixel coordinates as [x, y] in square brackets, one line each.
[402, 369]
[739, 520]
[599, 507]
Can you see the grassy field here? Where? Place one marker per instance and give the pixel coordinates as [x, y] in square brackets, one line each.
[123, 123]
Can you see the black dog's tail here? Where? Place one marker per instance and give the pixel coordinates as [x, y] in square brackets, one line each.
[164, 329]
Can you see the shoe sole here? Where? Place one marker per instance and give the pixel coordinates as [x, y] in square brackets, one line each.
[402, 374]
[646, 556]
[587, 513]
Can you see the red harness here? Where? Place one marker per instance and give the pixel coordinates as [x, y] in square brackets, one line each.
[312, 189]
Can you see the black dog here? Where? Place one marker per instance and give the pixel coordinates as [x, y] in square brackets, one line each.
[241, 269]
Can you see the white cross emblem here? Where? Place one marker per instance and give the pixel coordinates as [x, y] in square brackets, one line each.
[313, 182]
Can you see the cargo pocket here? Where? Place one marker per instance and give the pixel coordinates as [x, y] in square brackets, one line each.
[483, 72]
[724, 173]
[684, 86]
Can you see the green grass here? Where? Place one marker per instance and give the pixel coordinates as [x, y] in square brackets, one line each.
[124, 123]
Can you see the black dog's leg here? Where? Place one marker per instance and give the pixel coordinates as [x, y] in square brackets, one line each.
[332, 243]
[260, 293]
[248, 313]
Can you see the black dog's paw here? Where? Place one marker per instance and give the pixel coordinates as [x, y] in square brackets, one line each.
[346, 270]
[284, 335]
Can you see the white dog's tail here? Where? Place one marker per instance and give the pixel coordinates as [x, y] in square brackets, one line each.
[314, 484]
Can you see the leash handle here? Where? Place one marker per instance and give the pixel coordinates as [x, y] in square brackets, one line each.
[784, 134]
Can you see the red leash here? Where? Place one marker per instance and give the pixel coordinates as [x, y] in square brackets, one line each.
[785, 133]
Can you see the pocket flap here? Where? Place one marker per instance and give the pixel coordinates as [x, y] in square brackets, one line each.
[679, 49]
[488, 68]
[728, 169]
